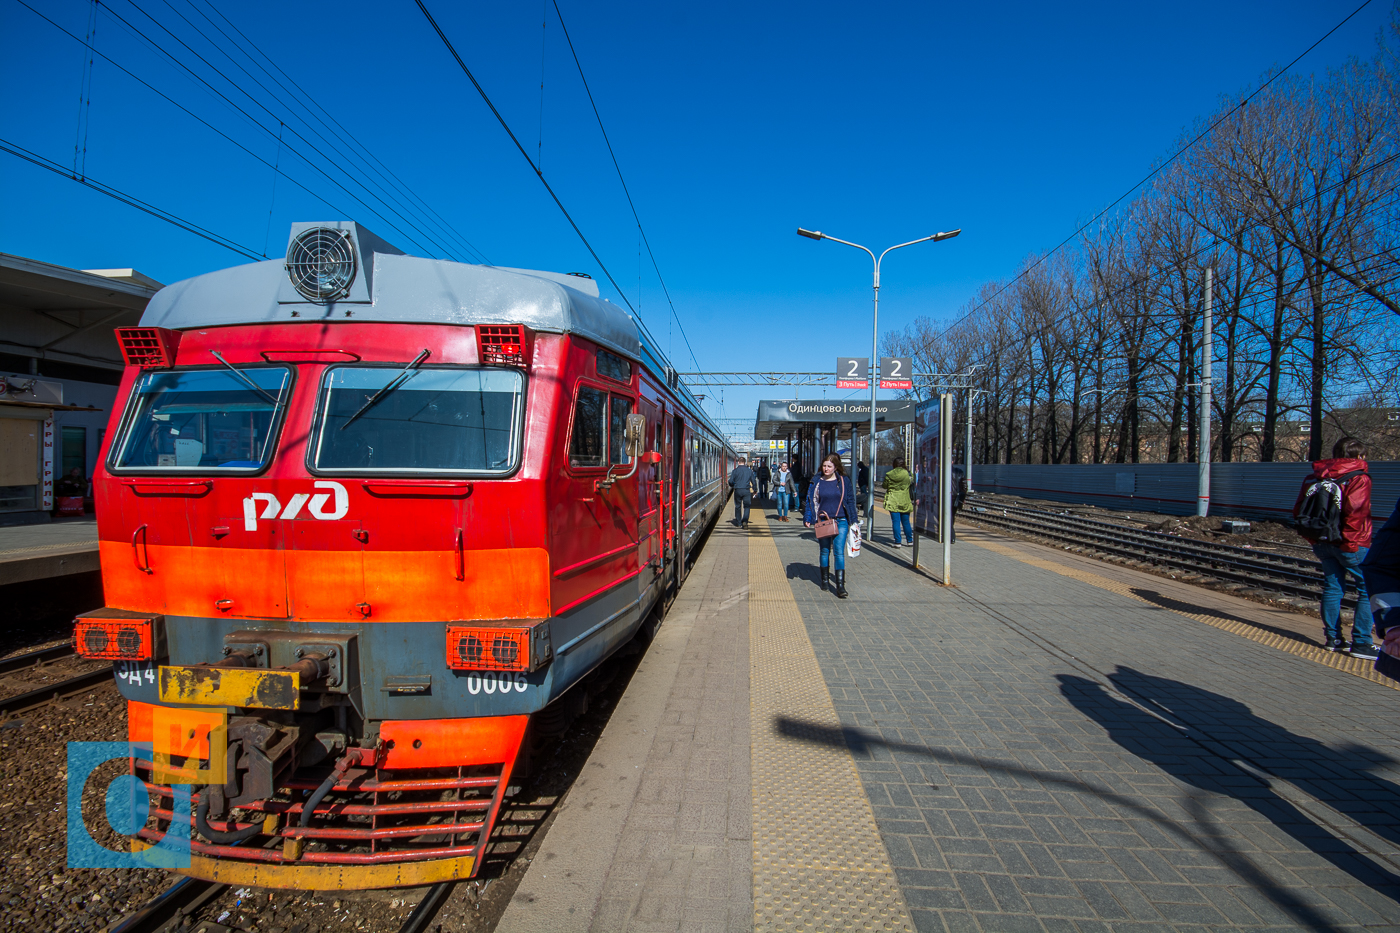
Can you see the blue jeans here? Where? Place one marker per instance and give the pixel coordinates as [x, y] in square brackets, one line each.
[782, 497]
[898, 520]
[838, 542]
[1336, 565]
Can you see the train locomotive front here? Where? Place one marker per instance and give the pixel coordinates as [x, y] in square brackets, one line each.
[361, 516]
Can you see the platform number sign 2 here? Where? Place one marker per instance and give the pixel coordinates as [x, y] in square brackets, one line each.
[896, 372]
[851, 372]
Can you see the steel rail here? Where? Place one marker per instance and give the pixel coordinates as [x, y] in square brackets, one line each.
[428, 907]
[1245, 552]
[167, 909]
[1195, 557]
[50, 693]
[20, 662]
[1296, 567]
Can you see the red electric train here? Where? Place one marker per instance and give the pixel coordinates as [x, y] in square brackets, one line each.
[363, 516]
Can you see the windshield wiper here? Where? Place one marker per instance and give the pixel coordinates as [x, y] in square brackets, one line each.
[399, 380]
[246, 381]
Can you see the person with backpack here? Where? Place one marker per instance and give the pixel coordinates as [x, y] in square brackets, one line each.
[1333, 512]
[1382, 572]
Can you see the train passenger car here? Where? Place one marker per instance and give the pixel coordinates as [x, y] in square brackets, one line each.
[362, 516]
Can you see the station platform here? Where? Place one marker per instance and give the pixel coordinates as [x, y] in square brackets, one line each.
[53, 549]
[1051, 744]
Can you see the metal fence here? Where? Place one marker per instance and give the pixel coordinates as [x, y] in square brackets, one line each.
[1247, 490]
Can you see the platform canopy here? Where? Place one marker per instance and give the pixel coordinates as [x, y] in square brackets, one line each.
[780, 417]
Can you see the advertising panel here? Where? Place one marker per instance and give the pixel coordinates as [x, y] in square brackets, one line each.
[926, 448]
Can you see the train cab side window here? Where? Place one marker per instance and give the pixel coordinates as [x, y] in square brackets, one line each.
[617, 429]
[614, 367]
[589, 437]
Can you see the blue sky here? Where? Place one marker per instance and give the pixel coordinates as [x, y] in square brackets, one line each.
[734, 124]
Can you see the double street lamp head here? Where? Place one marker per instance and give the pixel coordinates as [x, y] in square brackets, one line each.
[818, 235]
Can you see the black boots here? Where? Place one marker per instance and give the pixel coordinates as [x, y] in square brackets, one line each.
[840, 584]
[826, 576]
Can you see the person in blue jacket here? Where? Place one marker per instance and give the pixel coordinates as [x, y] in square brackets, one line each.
[832, 495]
[1381, 570]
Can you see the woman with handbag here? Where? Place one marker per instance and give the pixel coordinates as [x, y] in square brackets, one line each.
[831, 510]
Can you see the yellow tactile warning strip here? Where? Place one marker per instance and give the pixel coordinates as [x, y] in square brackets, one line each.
[818, 860]
[1341, 662]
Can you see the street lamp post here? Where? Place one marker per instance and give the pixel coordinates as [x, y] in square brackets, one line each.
[875, 335]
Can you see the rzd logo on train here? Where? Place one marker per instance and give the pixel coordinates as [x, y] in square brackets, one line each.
[315, 505]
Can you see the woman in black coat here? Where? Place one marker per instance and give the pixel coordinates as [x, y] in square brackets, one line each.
[832, 495]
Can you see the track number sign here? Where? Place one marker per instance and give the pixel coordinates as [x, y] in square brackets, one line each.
[851, 372]
[896, 372]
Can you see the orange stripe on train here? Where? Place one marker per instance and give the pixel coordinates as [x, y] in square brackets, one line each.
[394, 586]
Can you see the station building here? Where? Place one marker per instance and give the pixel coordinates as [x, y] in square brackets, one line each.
[59, 370]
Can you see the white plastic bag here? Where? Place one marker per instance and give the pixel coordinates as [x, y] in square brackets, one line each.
[853, 541]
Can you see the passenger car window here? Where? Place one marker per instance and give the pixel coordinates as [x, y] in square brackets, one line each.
[617, 434]
[614, 366]
[202, 419]
[590, 428]
[435, 421]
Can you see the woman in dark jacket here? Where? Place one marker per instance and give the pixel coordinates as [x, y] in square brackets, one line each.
[834, 496]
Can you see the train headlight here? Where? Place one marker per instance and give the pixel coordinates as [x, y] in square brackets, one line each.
[114, 639]
[516, 648]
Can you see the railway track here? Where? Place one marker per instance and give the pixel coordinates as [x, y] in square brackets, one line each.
[175, 908]
[1288, 575]
[48, 693]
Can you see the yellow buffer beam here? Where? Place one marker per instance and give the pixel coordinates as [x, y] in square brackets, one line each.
[230, 686]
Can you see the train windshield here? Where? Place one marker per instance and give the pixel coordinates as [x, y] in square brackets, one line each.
[203, 419]
[434, 421]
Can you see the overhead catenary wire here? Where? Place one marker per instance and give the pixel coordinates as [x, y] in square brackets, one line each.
[268, 130]
[300, 97]
[526, 155]
[1158, 169]
[1137, 282]
[166, 97]
[625, 190]
[116, 194]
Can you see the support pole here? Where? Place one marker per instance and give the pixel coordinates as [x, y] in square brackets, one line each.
[1203, 457]
[945, 483]
[967, 448]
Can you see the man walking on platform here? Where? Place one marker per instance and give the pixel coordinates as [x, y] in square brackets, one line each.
[764, 475]
[744, 482]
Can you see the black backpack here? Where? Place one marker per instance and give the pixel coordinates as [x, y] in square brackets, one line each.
[1319, 514]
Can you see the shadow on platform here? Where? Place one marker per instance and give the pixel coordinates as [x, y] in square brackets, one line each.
[1160, 743]
[1177, 605]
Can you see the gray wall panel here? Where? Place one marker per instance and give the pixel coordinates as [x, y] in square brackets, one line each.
[1249, 490]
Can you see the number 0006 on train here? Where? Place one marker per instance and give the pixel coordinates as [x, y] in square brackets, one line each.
[366, 520]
